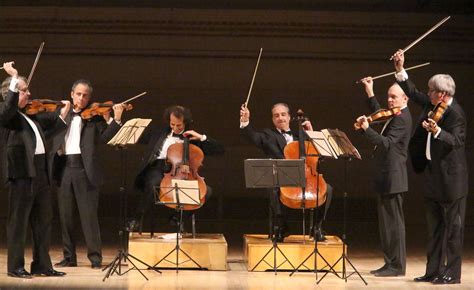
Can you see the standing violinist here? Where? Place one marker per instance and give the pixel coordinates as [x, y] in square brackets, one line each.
[273, 141]
[438, 150]
[24, 163]
[390, 177]
[73, 164]
[153, 165]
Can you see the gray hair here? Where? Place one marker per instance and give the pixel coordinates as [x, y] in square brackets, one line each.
[442, 83]
[282, 104]
[83, 82]
[6, 85]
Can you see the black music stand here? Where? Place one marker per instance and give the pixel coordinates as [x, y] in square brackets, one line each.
[274, 173]
[343, 147]
[128, 134]
[184, 192]
[324, 150]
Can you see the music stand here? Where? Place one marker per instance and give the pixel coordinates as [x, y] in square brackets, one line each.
[324, 150]
[274, 173]
[343, 148]
[128, 134]
[184, 192]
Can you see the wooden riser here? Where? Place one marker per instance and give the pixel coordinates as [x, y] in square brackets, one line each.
[207, 250]
[296, 250]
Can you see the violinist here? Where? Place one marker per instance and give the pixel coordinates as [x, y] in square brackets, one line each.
[24, 163]
[437, 149]
[272, 142]
[153, 165]
[73, 166]
[390, 177]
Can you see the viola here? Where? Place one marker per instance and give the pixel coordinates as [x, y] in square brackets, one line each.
[100, 109]
[314, 193]
[36, 106]
[438, 111]
[185, 160]
[381, 115]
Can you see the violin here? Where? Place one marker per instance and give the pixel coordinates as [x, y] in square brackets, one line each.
[438, 111]
[185, 160]
[100, 109]
[314, 193]
[36, 106]
[381, 115]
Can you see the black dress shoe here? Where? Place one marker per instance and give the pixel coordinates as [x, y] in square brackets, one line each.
[49, 273]
[446, 280]
[66, 263]
[22, 273]
[96, 265]
[425, 278]
[379, 269]
[389, 272]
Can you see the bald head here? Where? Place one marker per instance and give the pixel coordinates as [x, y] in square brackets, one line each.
[396, 97]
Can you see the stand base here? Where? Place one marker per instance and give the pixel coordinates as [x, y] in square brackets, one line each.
[296, 249]
[208, 250]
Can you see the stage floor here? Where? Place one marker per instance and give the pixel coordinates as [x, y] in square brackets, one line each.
[237, 277]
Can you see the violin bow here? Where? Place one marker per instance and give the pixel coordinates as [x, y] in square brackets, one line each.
[424, 35]
[133, 98]
[253, 78]
[35, 63]
[394, 72]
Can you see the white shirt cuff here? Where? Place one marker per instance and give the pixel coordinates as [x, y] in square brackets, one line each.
[244, 124]
[437, 133]
[13, 83]
[401, 76]
[203, 138]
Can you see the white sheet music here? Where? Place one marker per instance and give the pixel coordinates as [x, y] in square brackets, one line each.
[130, 132]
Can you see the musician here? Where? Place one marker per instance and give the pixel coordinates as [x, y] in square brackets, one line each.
[24, 163]
[153, 165]
[273, 141]
[391, 180]
[73, 165]
[438, 150]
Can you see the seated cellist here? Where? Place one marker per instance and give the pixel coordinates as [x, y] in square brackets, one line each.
[153, 164]
[273, 141]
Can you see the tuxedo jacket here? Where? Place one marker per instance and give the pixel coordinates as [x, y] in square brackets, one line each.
[19, 140]
[154, 137]
[448, 173]
[271, 141]
[93, 132]
[391, 151]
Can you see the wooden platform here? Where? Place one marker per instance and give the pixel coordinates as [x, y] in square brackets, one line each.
[295, 248]
[208, 250]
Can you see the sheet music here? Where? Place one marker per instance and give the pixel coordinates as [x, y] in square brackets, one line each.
[130, 132]
[322, 144]
[335, 146]
[188, 191]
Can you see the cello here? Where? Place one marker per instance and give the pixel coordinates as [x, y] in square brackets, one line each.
[185, 160]
[314, 194]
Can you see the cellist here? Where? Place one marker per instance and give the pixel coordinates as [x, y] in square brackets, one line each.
[153, 165]
[390, 177]
[273, 141]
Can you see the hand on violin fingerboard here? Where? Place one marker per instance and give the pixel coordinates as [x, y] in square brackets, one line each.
[369, 86]
[244, 114]
[430, 126]
[363, 122]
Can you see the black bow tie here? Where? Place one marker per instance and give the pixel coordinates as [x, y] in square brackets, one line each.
[75, 113]
[180, 136]
[287, 132]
